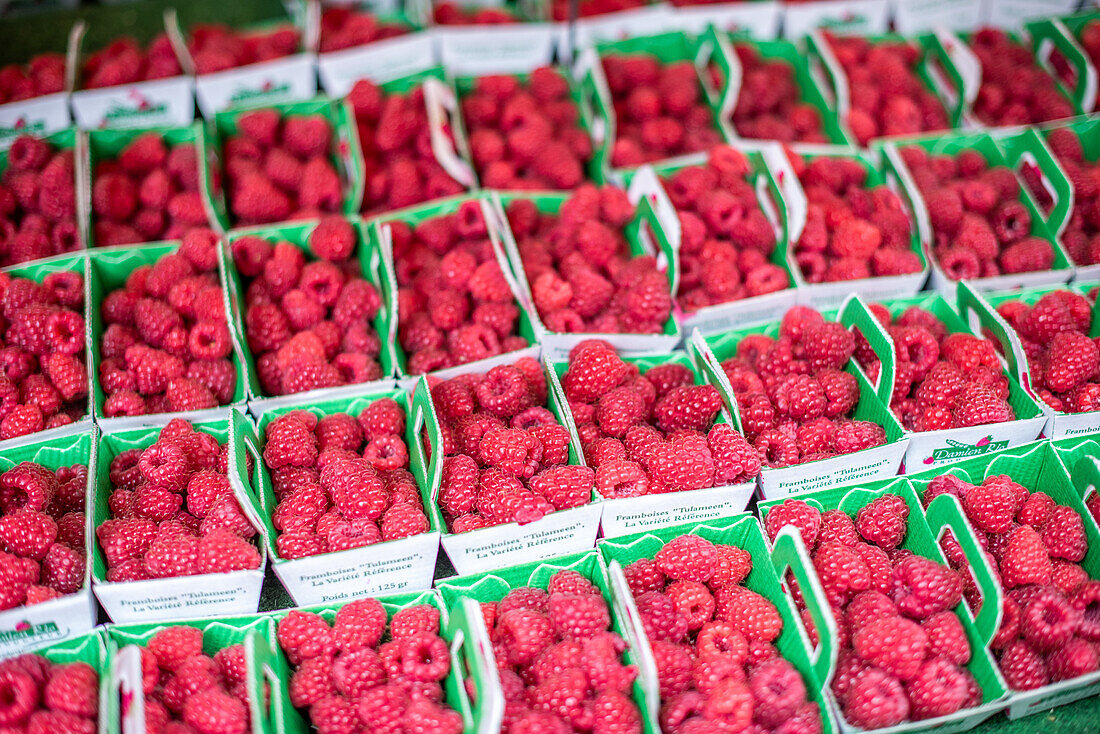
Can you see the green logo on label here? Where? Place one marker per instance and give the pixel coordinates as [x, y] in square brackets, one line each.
[845, 20]
[267, 90]
[142, 110]
[959, 450]
[24, 630]
[23, 127]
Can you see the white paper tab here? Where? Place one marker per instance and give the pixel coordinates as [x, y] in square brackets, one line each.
[288, 79]
[638, 514]
[162, 103]
[496, 49]
[184, 597]
[380, 62]
[39, 117]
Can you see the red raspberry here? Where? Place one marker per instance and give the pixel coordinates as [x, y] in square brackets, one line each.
[896, 645]
[644, 575]
[751, 614]
[805, 518]
[884, 521]
[690, 407]
[688, 558]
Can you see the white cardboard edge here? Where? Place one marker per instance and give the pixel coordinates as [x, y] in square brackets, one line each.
[395, 566]
[1086, 273]
[586, 32]
[159, 103]
[38, 116]
[27, 627]
[842, 16]
[181, 597]
[287, 79]
[408, 382]
[1026, 703]
[623, 600]
[126, 683]
[495, 49]
[737, 314]
[919, 456]
[940, 282]
[1014, 13]
[880, 462]
[832, 294]
[556, 347]
[760, 19]
[960, 721]
[559, 533]
[636, 514]
[80, 426]
[380, 62]
[157, 420]
[1065, 425]
[359, 389]
[920, 16]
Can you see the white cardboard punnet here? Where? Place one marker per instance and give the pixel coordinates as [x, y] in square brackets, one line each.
[921, 16]
[381, 61]
[39, 116]
[287, 79]
[636, 514]
[512, 48]
[757, 18]
[161, 103]
[1014, 13]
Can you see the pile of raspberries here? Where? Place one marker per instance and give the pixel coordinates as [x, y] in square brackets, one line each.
[43, 375]
[794, 395]
[280, 167]
[37, 202]
[1063, 361]
[309, 322]
[903, 650]
[44, 74]
[341, 481]
[454, 13]
[42, 696]
[982, 229]
[651, 433]
[1081, 236]
[1089, 38]
[400, 168]
[562, 9]
[559, 663]
[770, 105]
[1015, 90]
[41, 533]
[713, 641]
[166, 346]
[582, 276]
[124, 61]
[215, 47]
[149, 192]
[345, 26]
[853, 230]
[454, 304]
[506, 455]
[726, 240]
[660, 109]
[524, 134]
[886, 95]
[173, 512]
[188, 690]
[1049, 628]
[941, 380]
[350, 680]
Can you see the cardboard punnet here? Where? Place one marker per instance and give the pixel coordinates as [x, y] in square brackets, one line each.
[391, 566]
[867, 465]
[781, 200]
[936, 448]
[955, 73]
[758, 19]
[838, 16]
[766, 578]
[89, 648]
[345, 155]
[952, 145]
[43, 115]
[919, 16]
[37, 271]
[466, 591]
[155, 103]
[109, 268]
[585, 32]
[922, 539]
[979, 310]
[179, 597]
[1037, 467]
[497, 48]
[1014, 13]
[26, 627]
[470, 654]
[1079, 455]
[627, 516]
[1058, 50]
[1075, 26]
[123, 703]
[373, 271]
[653, 231]
[475, 551]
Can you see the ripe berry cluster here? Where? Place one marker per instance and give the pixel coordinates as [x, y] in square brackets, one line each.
[400, 167]
[559, 664]
[982, 229]
[37, 202]
[1049, 630]
[713, 641]
[1063, 361]
[280, 167]
[214, 47]
[793, 394]
[188, 690]
[454, 303]
[903, 651]
[350, 680]
[525, 134]
[660, 110]
[173, 512]
[1082, 233]
[886, 95]
[853, 229]
[41, 533]
[941, 380]
[770, 105]
[147, 193]
[726, 240]
[507, 456]
[166, 347]
[651, 433]
[583, 278]
[562, 9]
[346, 26]
[124, 61]
[308, 323]
[43, 74]
[41, 696]
[341, 481]
[1015, 90]
[453, 13]
[44, 382]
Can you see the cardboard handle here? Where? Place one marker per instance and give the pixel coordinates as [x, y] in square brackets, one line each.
[126, 684]
[818, 46]
[595, 99]
[944, 513]
[730, 63]
[473, 652]
[1048, 36]
[259, 660]
[248, 491]
[648, 222]
[855, 313]
[1086, 475]
[788, 187]
[1029, 150]
[979, 315]
[559, 405]
[959, 63]
[442, 105]
[634, 632]
[424, 417]
[706, 362]
[789, 552]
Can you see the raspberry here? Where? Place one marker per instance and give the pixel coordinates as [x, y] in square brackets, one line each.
[1023, 668]
[593, 370]
[777, 690]
[883, 521]
[212, 711]
[735, 460]
[688, 558]
[644, 575]
[690, 407]
[805, 518]
[751, 614]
